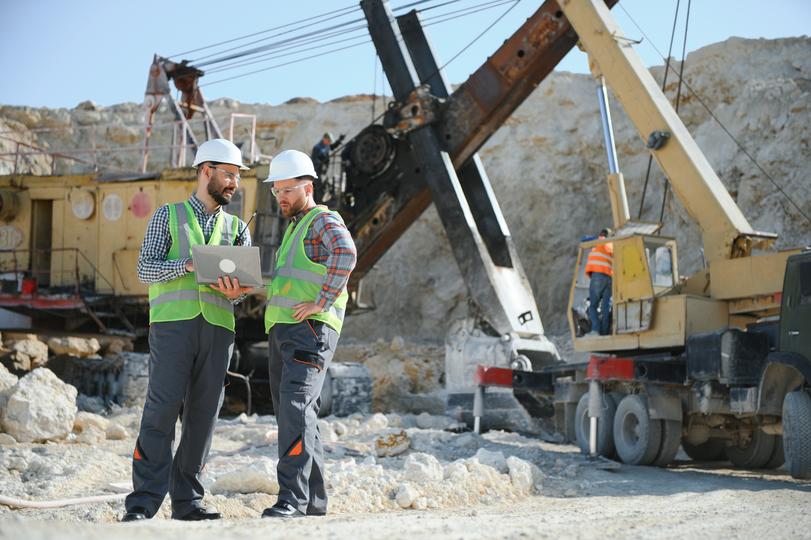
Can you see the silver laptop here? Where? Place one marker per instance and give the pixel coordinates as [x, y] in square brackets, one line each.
[241, 262]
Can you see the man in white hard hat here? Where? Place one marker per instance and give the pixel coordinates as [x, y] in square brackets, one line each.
[191, 339]
[306, 302]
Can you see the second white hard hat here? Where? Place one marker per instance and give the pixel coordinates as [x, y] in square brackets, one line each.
[221, 151]
[290, 164]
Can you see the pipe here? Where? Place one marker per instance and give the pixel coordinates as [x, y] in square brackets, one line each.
[608, 127]
[595, 411]
[478, 408]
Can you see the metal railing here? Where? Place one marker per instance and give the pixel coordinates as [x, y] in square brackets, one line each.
[30, 269]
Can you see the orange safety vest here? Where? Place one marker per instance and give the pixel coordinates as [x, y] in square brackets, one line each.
[600, 259]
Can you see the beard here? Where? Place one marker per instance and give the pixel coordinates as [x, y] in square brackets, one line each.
[294, 208]
[219, 196]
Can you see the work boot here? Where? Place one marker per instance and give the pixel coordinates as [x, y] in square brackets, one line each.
[136, 513]
[282, 509]
[198, 514]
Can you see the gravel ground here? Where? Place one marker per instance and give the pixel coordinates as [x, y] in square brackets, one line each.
[451, 483]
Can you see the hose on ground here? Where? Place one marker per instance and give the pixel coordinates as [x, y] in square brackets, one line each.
[59, 503]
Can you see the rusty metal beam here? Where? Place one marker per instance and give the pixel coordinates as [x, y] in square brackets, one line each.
[474, 112]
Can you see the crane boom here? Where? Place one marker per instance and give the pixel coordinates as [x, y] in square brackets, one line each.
[725, 231]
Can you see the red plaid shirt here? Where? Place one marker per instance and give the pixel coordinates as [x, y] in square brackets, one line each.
[328, 242]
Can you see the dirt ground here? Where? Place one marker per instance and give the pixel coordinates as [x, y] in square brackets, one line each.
[571, 498]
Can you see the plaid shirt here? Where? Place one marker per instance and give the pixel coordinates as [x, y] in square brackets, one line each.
[328, 242]
[152, 264]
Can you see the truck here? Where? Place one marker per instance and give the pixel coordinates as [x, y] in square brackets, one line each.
[719, 362]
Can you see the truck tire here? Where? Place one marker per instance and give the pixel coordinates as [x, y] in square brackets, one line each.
[605, 426]
[797, 433]
[636, 437]
[712, 450]
[671, 439]
[778, 455]
[755, 454]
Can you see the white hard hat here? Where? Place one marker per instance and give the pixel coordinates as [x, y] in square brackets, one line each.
[290, 164]
[221, 151]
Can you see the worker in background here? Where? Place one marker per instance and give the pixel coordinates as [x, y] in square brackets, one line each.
[320, 157]
[305, 311]
[191, 339]
[599, 269]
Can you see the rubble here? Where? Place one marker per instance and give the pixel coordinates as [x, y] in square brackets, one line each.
[492, 459]
[39, 407]
[422, 468]
[258, 477]
[74, 346]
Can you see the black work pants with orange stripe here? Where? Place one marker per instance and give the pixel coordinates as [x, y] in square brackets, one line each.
[187, 365]
[299, 357]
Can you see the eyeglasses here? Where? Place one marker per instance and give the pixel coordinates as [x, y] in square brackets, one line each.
[228, 174]
[285, 191]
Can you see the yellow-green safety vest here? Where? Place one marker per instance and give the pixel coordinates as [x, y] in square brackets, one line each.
[297, 279]
[182, 299]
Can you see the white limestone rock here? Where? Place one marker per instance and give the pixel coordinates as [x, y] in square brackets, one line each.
[327, 433]
[7, 382]
[521, 474]
[422, 468]
[7, 440]
[91, 434]
[258, 477]
[375, 423]
[406, 496]
[340, 428]
[492, 459]
[116, 432]
[456, 471]
[392, 444]
[28, 354]
[397, 344]
[74, 346]
[40, 407]
[85, 420]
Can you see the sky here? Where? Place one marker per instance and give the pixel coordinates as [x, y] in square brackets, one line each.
[58, 53]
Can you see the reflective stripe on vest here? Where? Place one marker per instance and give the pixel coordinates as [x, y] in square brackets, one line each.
[182, 299]
[297, 279]
[599, 260]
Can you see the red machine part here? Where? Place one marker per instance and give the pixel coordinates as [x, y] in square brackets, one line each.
[604, 368]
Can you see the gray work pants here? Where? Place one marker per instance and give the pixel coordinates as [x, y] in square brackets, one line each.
[299, 357]
[187, 365]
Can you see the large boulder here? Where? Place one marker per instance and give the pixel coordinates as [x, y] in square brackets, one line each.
[7, 382]
[40, 407]
[74, 346]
